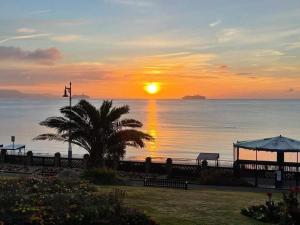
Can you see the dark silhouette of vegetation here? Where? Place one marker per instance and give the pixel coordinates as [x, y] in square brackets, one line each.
[34, 201]
[285, 212]
[102, 132]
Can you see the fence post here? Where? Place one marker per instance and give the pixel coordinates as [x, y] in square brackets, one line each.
[57, 157]
[29, 160]
[148, 165]
[3, 155]
[86, 158]
[236, 169]
[169, 166]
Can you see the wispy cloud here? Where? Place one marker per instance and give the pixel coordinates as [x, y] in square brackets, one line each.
[256, 35]
[32, 36]
[65, 38]
[35, 74]
[157, 42]
[293, 45]
[43, 56]
[26, 30]
[175, 54]
[228, 34]
[215, 23]
[268, 52]
[139, 3]
[37, 12]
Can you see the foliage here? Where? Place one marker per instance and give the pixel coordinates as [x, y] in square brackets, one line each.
[101, 131]
[290, 211]
[49, 202]
[269, 212]
[101, 176]
[210, 176]
[285, 212]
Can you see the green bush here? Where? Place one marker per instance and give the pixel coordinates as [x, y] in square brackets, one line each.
[285, 212]
[101, 176]
[211, 176]
[53, 202]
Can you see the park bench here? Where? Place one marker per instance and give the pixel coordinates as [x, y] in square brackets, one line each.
[166, 183]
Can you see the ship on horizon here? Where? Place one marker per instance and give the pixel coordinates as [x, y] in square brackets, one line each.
[194, 97]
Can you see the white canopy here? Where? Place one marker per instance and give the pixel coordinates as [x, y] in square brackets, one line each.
[274, 144]
[208, 156]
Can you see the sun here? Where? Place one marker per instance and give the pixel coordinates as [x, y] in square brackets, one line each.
[152, 88]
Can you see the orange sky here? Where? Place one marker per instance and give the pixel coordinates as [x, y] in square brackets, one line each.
[111, 48]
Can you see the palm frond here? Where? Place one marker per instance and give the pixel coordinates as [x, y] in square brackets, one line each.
[50, 137]
[116, 112]
[129, 123]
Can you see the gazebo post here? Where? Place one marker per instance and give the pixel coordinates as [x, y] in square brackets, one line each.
[238, 153]
[256, 180]
[233, 152]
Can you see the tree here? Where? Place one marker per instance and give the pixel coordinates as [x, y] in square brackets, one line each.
[102, 132]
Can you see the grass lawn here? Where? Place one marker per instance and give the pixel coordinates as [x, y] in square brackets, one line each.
[191, 207]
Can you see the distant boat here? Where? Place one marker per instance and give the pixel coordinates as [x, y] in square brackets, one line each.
[194, 97]
[82, 96]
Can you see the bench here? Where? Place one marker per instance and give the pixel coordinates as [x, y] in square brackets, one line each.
[167, 183]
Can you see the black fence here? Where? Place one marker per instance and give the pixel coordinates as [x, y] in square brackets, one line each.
[243, 168]
[166, 183]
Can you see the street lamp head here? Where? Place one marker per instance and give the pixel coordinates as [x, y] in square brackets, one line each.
[65, 93]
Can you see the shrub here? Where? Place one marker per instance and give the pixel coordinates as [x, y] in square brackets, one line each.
[285, 212]
[49, 202]
[211, 176]
[101, 176]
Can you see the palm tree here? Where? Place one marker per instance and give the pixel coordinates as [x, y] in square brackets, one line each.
[102, 132]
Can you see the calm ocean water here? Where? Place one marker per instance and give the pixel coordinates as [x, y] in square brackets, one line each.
[181, 129]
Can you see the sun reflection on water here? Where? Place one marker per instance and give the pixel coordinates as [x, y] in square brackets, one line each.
[152, 127]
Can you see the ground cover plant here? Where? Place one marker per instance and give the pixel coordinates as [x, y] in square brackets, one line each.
[52, 201]
[283, 212]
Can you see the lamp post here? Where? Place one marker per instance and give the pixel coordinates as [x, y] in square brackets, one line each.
[68, 93]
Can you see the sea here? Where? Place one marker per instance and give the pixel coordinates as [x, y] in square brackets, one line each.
[181, 128]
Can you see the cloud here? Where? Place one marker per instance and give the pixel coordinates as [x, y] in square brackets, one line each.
[229, 34]
[66, 38]
[44, 56]
[174, 54]
[290, 90]
[34, 74]
[32, 36]
[37, 12]
[26, 30]
[216, 23]
[268, 52]
[294, 45]
[223, 67]
[239, 36]
[139, 3]
[156, 42]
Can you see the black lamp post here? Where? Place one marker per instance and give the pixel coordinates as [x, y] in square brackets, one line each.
[68, 93]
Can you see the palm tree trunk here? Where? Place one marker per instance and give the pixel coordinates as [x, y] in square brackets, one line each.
[96, 159]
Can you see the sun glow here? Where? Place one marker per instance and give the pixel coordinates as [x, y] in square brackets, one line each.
[152, 88]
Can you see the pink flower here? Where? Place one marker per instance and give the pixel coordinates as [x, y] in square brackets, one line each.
[269, 194]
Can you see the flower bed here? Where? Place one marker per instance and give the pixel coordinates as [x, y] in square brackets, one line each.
[285, 212]
[51, 201]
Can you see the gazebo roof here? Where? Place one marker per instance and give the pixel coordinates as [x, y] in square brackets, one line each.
[274, 144]
[13, 147]
[208, 156]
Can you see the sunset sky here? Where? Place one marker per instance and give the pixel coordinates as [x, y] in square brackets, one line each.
[113, 48]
